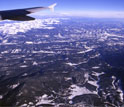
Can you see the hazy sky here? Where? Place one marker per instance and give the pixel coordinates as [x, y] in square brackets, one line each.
[95, 8]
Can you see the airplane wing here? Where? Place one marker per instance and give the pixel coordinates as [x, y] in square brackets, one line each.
[21, 14]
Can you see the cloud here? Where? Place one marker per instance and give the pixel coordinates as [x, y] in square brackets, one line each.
[15, 27]
[93, 14]
[96, 14]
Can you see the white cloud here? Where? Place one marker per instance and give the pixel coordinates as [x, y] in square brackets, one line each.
[15, 27]
[96, 14]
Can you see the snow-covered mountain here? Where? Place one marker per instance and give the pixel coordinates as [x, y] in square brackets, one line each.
[61, 63]
[15, 27]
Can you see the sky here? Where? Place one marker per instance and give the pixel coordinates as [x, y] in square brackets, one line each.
[86, 8]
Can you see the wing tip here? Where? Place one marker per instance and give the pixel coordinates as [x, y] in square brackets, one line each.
[51, 7]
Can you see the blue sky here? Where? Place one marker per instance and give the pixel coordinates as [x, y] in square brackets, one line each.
[74, 7]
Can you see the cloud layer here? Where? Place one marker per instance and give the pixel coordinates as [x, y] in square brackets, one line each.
[15, 27]
[96, 14]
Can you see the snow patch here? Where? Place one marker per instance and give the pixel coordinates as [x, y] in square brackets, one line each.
[97, 73]
[82, 52]
[24, 105]
[77, 91]
[95, 67]
[35, 63]
[71, 64]
[1, 96]
[94, 83]
[68, 78]
[29, 42]
[4, 52]
[23, 66]
[43, 100]
[15, 85]
[41, 51]
[16, 51]
[121, 94]
[25, 74]
[30, 103]
[86, 76]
